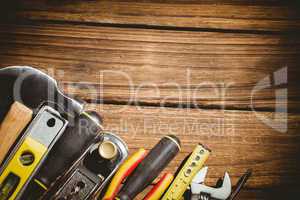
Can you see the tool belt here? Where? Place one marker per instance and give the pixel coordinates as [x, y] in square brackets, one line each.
[52, 148]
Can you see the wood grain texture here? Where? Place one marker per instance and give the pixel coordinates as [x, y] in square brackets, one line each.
[239, 139]
[206, 54]
[234, 15]
[12, 126]
[152, 67]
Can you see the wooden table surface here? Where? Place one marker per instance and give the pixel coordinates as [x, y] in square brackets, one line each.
[215, 72]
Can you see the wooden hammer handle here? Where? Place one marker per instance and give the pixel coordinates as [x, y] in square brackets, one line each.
[12, 126]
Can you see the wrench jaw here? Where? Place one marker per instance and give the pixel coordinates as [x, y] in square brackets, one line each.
[200, 177]
[198, 187]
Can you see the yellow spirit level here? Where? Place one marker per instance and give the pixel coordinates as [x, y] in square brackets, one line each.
[28, 155]
[186, 174]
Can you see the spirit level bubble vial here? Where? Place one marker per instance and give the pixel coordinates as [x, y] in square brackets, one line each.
[30, 152]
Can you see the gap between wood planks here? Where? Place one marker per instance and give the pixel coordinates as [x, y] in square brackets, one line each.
[274, 156]
[85, 49]
[154, 27]
[180, 106]
[274, 16]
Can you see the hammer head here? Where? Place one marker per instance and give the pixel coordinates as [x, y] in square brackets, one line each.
[198, 187]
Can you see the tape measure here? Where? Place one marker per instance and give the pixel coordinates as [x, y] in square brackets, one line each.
[28, 155]
[186, 174]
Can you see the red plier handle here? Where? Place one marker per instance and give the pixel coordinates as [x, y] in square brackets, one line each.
[124, 171]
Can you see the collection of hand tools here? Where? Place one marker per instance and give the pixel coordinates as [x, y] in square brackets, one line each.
[52, 149]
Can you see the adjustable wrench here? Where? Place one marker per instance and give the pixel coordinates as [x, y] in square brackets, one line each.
[223, 191]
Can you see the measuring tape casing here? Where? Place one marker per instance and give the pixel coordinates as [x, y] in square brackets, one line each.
[186, 174]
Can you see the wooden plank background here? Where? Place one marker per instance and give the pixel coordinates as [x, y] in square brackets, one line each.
[204, 58]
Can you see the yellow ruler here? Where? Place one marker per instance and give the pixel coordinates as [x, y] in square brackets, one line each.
[186, 174]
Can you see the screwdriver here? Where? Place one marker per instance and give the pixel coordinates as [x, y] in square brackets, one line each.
[145, 173]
